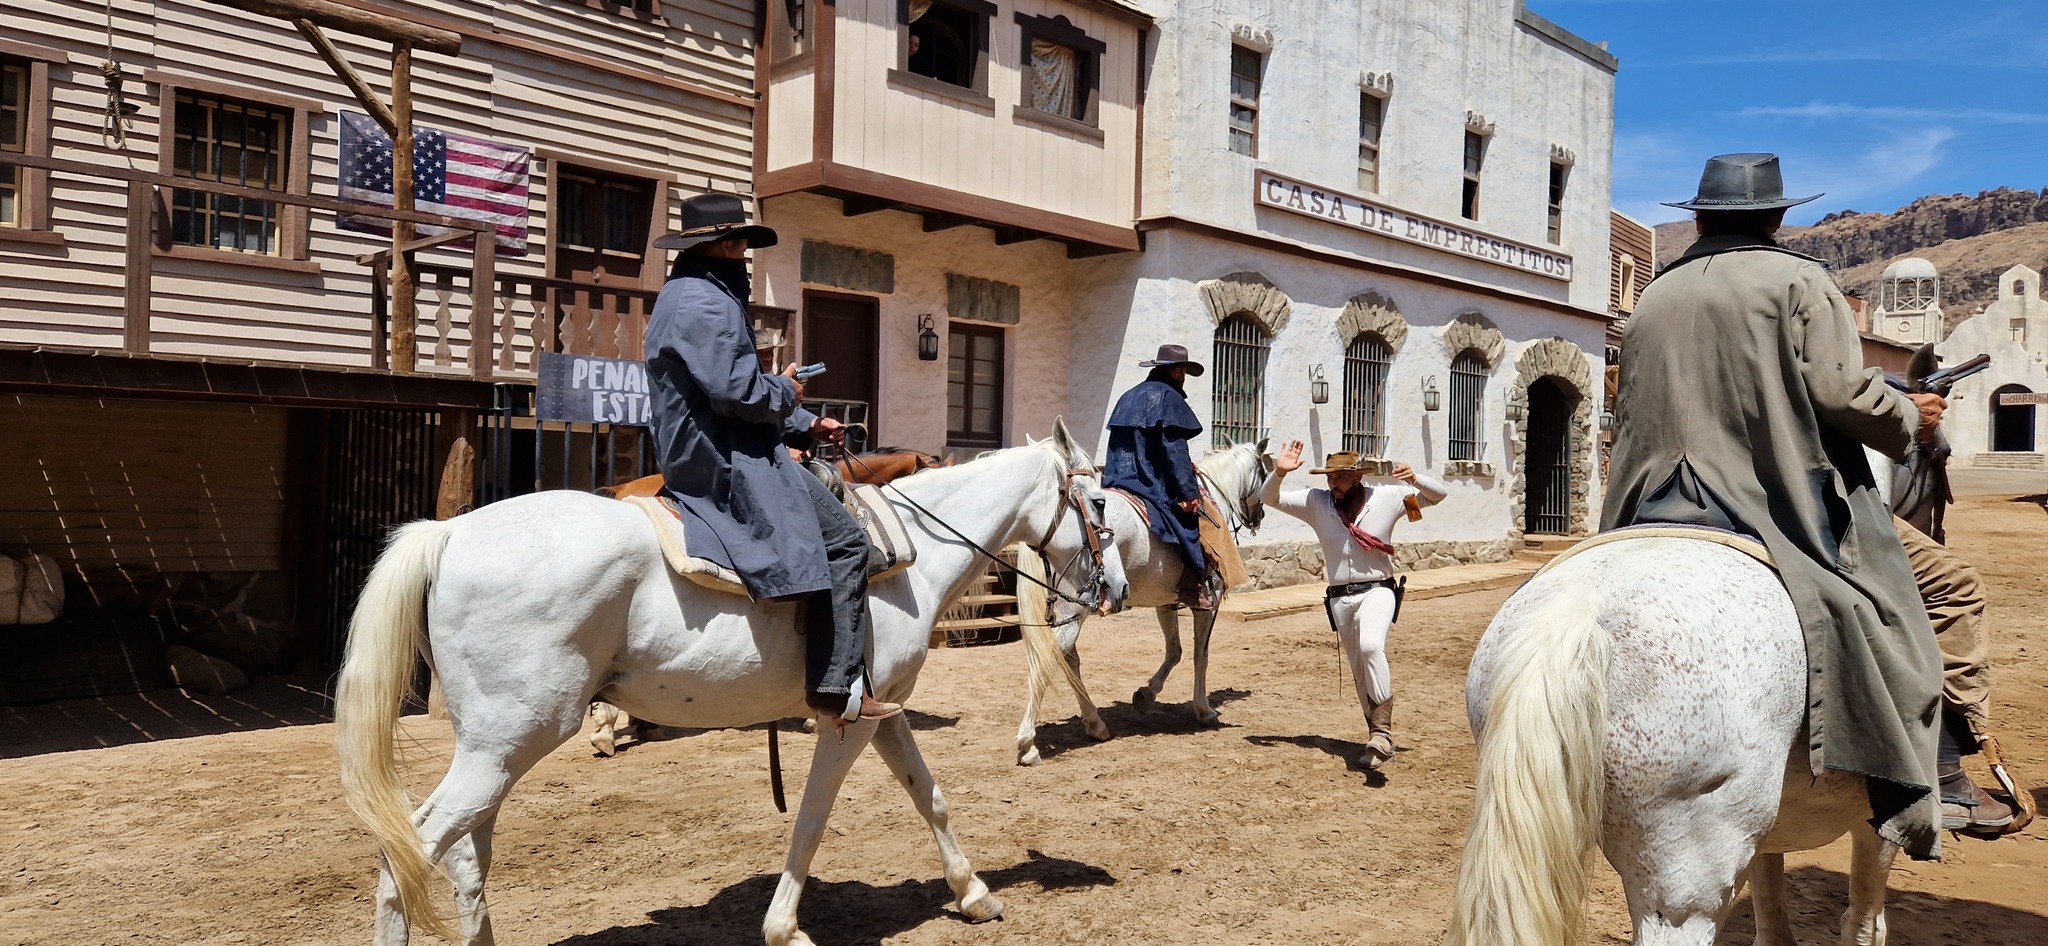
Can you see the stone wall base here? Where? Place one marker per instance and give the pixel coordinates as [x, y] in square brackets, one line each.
[1279, 564]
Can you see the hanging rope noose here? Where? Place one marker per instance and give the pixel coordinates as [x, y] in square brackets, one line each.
[114, 125]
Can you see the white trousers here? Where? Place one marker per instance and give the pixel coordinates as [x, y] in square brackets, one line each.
[1362, 621]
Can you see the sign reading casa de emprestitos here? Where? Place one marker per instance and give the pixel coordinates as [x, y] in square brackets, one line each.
[1358, 213]
[586, 389]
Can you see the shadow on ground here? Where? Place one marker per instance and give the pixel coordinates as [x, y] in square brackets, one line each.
[128, 718]
[835, 913]
[1819, 896]
[1124, 719]
[1352, 753]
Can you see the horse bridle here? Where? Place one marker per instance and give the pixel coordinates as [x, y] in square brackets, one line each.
[1097, 594]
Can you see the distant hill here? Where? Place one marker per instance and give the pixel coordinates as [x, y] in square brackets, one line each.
[1970, 240]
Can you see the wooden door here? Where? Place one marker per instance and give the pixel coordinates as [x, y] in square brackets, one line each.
[843, 332]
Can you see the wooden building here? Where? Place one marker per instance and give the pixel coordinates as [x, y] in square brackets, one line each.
[933, 167]
[207, 421]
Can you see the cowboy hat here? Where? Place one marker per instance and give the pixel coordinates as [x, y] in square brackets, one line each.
[1741, 182]
[1343, 461]
[708, 217]
[1173, 355]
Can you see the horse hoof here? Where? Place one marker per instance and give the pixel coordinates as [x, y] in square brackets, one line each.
[1099, 732]
[1028, 756]
[1211, 718]
[1142, 697]
[981, 910]
[604, 745]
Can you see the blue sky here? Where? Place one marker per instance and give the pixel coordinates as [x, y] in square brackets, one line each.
[1875, 102]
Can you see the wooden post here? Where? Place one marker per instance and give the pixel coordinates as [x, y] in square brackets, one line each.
[404, 291]
[456, 446]
[141, 245]
[483, 306]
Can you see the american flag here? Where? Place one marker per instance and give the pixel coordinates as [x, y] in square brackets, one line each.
[452, 174]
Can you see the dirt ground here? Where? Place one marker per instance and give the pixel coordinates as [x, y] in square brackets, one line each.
[1254, 832]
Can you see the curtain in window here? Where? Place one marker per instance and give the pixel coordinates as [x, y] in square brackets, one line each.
[1054, 78]
[918, 8]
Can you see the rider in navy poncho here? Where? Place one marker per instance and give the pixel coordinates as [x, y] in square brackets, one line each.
[1148, 456]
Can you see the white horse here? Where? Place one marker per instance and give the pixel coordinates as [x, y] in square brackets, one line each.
[1233, 477]
[1649, 696]
[530, 607]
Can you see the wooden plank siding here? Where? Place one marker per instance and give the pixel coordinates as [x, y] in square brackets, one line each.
[907, 132]
[1627, 238]
[175, 486]
[614, 89]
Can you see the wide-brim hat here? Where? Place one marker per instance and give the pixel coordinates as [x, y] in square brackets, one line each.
[709, 217]
[1741, 182]
[1174, 355]
[1343, 461]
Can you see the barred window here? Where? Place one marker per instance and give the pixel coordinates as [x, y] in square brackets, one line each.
[233, 142]
[1238, 410]
[974, 386]
[1468, 402]
[1366, 363]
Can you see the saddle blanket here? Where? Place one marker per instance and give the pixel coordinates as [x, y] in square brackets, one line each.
[1734, 540]
[889, 548]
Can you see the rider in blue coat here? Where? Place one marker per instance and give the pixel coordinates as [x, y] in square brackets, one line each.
[1148, 457]
[720, 423]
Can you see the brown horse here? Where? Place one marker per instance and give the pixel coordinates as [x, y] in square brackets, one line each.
[877, 467]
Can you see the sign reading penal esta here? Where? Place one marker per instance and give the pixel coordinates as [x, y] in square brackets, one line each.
[1356, 212]
[586, 389]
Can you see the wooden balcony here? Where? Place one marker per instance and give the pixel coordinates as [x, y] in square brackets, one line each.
[492, 333]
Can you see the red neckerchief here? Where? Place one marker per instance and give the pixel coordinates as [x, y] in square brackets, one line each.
[1365, 540]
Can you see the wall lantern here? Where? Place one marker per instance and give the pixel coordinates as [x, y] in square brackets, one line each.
[1431, 398]
[927, 340]
[1318, 389]
[1606, 420]
[1514, 409]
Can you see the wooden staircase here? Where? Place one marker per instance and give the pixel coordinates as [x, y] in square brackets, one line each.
[1543, 548]
[986, 614]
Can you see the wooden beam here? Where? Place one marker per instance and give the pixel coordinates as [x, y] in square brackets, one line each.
[854, 205]
[1007, 236]
[141, 240]
[404, 290]
[423, 243]
[349, 77]
[935, 221]
[347, 19]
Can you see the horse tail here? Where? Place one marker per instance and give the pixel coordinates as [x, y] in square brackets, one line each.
[1537, 811]
[1041, 645]
[385, 637]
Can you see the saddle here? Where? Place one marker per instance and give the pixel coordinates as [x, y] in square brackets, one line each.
[889, 549]
[1734, 540]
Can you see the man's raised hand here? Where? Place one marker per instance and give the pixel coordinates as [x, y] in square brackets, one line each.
[1289, 459]
[790, 373]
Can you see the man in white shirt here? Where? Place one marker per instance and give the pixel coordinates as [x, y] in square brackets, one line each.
[1355, 522]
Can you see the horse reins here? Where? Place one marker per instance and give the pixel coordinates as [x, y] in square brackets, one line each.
[1094, 538]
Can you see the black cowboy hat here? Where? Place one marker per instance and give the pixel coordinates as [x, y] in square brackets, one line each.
[1174, 355]
[1741, 182]
[708, 217]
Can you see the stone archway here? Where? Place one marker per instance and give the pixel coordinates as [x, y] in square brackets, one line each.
[1557, 362]
[1246, 293]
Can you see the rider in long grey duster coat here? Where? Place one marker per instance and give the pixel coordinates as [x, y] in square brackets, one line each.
[1742, 405]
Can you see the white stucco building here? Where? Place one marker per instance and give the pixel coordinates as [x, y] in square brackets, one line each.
[1411, 198]
[1994, 418]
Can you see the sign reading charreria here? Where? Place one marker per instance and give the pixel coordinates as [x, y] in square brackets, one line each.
[2017, 398]
[1360, 214]
[586, 389]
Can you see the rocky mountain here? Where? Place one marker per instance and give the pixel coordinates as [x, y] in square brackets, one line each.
[1970, 241]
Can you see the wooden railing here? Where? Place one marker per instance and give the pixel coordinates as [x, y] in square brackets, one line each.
[527, 314]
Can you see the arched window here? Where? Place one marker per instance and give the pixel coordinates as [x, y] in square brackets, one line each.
[1238, 409]
[1468, 400]
[1366, 362]
[2019, 287]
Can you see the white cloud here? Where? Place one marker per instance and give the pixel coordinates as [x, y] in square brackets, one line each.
[1832, 111]
[1880, 172]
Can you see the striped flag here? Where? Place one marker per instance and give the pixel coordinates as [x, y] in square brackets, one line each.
[452, 174]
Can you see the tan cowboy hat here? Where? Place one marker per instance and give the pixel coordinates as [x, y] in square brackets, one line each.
[1343, 461]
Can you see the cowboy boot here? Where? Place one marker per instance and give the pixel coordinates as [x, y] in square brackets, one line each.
[1379, 748]
[1967, 808]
